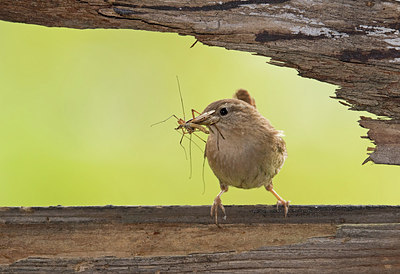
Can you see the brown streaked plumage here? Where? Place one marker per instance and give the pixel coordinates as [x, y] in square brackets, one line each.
[243, 149]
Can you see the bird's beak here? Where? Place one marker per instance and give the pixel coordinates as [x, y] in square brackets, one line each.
[206, 118]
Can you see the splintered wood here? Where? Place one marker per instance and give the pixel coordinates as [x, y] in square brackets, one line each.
[386, 136]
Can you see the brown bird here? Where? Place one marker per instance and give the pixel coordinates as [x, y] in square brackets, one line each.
[243, 149]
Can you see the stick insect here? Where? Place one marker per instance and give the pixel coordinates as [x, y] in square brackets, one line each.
[187, 127]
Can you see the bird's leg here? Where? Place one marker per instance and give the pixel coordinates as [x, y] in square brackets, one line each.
[280, 200]
[217, 203]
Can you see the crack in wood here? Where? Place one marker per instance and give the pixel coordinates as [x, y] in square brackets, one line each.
[221, 6]
[124, 13]
[267, 36]
[364, 56]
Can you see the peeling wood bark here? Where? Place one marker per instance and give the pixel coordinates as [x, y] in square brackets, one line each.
[386, 135]
[352, 44]
[327, 239]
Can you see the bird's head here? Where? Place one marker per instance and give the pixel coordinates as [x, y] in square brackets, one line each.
[227, 114]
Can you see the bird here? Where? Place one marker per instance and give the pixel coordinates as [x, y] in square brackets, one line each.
[243, 149]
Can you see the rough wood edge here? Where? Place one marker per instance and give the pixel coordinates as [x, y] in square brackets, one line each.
[386, 136]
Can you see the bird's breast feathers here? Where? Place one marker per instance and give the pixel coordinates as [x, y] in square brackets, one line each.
[241, 163]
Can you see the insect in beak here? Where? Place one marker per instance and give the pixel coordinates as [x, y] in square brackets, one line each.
[206, 118]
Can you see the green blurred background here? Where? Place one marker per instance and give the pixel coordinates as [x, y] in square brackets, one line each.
[76, 108]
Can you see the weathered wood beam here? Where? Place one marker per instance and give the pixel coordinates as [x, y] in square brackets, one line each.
[313, 239]
[352, 44]
[386, 135]
[238, 214]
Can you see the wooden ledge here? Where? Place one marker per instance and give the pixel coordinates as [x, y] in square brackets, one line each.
[245, 214]
[183, 238]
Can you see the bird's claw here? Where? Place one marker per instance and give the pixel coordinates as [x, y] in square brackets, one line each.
[285, 206]
[214, 209]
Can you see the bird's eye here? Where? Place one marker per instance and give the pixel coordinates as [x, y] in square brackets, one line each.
[223, 111]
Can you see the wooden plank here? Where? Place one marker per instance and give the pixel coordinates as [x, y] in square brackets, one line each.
[245, 214]
[328, 239]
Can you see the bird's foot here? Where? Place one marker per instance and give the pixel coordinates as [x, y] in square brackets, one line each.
[285, 206]
[281, 201]
[214, 209]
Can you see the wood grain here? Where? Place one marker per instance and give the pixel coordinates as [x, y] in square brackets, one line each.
[386, 135]
[328, 239]
[237, 214]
